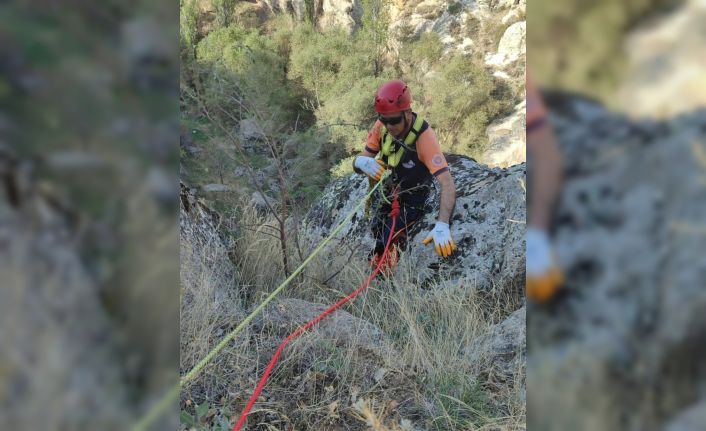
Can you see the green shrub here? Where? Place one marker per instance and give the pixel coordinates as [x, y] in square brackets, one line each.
[316, 60]
[426, 51]
[339, 73]
[460, 101]
[224, 12]
[455, 8]
[280, 30]
[353, 107]
[375, 25]
[188, 24]
[245, 67]
[343, 168]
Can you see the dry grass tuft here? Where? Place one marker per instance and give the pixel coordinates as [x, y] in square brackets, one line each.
[420, 380]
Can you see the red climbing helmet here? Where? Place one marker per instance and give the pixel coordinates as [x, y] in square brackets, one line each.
[392, 97]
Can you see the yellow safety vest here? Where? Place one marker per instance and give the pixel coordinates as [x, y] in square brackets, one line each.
[388, 147]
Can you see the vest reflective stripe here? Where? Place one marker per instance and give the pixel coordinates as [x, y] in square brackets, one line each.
[394, 157]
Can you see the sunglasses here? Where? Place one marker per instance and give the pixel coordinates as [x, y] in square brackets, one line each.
[391, 121]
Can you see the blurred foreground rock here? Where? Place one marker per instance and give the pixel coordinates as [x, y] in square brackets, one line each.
[59, 363]
[624, 349]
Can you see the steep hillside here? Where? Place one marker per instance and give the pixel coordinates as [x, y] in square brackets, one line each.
[276, 99]
[439, 346]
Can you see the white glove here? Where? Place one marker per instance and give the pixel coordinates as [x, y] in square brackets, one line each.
[443, 242]
[544, 278]
[371, 167]
[539, 252]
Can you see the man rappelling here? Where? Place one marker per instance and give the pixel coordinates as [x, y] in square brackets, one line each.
[402, 141]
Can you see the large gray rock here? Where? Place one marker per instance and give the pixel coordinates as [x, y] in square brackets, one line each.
[511, 47]
[250, 130]
[260, 201]
[346, 14]
[667, 64]
[209, 288]
[203, 249]
[284, 316]
[629, 235]
[432, 16]
[487, 225]
[295, 7]
[504, 4]
[500, 355]
[506, 137]
[327, 14]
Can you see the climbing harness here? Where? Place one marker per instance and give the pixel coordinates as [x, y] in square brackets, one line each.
[392, 151]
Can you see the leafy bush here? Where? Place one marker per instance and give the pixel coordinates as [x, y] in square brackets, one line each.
[349, 116]
[343, 168]
[485, 33]
[245, 67]
[280, 30]
[316, 60]
[338, 72]
[224, 11]
[427, 51]
[460, 102]
[188, 24]
[455, 8]
[375, 25]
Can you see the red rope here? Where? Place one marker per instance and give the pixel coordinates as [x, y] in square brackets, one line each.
[258, 389]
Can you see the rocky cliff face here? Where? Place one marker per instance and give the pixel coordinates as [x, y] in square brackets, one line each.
[487, 225]
[203, 250]
[623, 349]
[506, 139]
[344, 14]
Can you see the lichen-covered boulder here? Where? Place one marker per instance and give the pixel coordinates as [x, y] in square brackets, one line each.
[487, 224]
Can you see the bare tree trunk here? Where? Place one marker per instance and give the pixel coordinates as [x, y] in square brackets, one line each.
[279, 162]
[278, 159]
